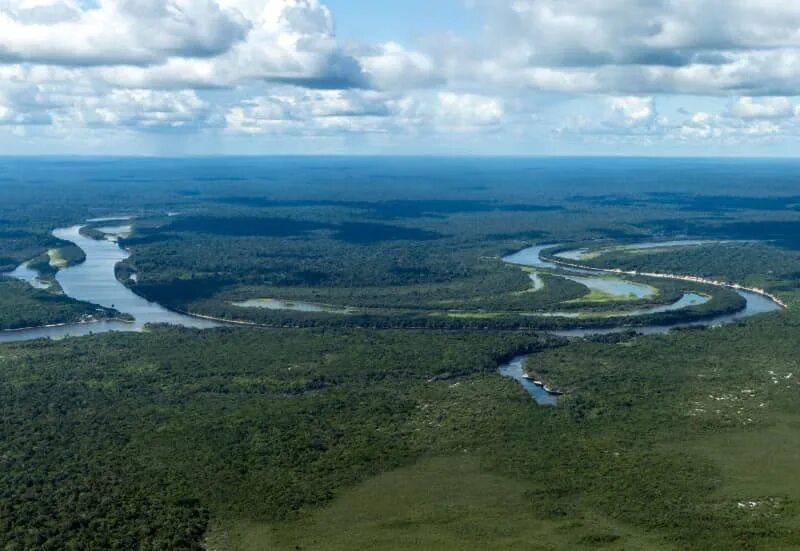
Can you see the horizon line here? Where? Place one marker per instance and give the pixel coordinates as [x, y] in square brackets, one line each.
[89, 156]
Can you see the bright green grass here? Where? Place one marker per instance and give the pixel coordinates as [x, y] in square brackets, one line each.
[443, 503]
[57, 260]
[595, 295]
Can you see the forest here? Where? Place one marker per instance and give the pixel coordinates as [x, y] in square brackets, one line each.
[23, 306]
[382, 422]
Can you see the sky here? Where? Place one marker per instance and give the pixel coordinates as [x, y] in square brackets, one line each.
[417, 77]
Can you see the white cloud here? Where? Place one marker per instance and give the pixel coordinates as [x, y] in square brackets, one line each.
[392, 66]
[288, 41]
[713, 126]
[116, 32]
[310, 112]
[277, 67]
[181, 43]
[636, 47]
[702, 126]
[467, 112]
[763, 108]
[326, 111]
[634, 110]
[82, 105]
[144, 109]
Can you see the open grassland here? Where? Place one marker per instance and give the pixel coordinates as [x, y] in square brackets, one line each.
[440, 503]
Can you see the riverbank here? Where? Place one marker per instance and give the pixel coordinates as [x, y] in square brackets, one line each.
[658, 275]
[95, 281]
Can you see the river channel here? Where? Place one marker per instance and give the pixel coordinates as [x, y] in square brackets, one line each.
[95, 281]
[532, 257]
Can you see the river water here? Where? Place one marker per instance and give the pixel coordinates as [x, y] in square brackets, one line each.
[28, 275]
[95, 281]
[755, 304]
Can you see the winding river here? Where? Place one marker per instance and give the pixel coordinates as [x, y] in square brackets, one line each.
[756, 303]
[95, 281]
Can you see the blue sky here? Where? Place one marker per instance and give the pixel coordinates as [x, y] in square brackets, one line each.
[435, 77]
[404, 21]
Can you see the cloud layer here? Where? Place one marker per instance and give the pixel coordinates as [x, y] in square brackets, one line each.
[587, 70]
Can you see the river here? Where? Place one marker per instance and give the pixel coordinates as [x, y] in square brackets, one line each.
[95, 281]
[531, 257]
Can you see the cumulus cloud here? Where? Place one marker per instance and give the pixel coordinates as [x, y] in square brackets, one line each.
[287, 41]
[144, 109]
[634, 119]
[634, 110]
[392, 66]
[763, 108]
[635, 116]
[630, 46]
[82, 104]
[466, 112]
[702, 125]
[181, 43]
[714, 126]
[310, 112]
[116, 32]
[253, 67]
[326, 111]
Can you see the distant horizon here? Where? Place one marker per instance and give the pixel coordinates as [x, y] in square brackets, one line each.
[397, 156]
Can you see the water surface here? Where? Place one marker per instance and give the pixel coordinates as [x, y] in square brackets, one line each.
[291, 305]
[28, 275]
[515, 369]
[616, 287]
[755, 304]
[95, 281]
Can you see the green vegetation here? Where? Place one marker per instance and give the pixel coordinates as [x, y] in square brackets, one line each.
[238, 423]
[23, 306]
[439, 503]
[382, 244]
[741, 262]
[55, 259]
[376, 429]
[64, 257]
[268, 437]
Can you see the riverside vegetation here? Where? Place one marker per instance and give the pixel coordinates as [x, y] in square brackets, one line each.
[335, 437]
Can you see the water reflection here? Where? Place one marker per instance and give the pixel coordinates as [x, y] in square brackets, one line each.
[515, 369]
[95, 281]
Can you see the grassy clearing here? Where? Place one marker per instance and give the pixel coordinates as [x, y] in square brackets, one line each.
[596, 295]
[759, 468]
[56, 259]
[294, 305]
[440, 503]
[472, 315]
[65, 257]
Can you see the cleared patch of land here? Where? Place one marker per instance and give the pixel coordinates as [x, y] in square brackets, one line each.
[448, 503]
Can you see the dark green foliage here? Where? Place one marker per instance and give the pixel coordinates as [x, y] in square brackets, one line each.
[127, 441]
[741, 262]
[143, 441]
[23, 306]
[394, 209]
[351, 232]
